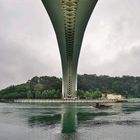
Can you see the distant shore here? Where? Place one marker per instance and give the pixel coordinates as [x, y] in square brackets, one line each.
[133, 100]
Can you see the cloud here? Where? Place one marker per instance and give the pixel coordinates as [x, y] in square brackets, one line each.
[126, 63]
[28, 45]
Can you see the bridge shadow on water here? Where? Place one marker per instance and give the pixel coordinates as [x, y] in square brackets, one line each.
[69, 117]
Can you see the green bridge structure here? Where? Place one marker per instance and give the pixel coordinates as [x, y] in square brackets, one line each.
[69, 19]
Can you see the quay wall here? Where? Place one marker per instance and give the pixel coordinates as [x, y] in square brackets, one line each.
[73, 101]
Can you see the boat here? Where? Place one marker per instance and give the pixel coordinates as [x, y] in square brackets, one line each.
[101, 106]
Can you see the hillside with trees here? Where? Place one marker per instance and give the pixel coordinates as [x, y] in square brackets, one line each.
[89, 87]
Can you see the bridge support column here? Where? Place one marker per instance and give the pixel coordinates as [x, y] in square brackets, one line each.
[69, 83]
[69, 19]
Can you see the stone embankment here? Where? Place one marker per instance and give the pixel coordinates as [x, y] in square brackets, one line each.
[61, 101]
[73, 101]
[133, 100]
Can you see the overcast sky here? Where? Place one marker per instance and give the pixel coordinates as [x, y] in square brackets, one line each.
[28, 45]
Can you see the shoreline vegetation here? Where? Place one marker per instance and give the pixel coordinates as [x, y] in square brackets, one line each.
[90, 87]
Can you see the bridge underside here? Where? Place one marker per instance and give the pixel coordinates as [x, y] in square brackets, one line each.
[69, 19]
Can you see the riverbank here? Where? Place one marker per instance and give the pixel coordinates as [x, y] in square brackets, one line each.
[69, 101]
[133, 100]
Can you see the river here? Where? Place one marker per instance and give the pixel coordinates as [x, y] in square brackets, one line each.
[19, 121]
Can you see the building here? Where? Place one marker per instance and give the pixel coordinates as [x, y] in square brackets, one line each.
[112, 96]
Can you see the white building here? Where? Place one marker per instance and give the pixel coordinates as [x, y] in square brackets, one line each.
[112, 96]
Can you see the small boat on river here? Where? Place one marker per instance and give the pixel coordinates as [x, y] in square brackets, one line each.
[101, 106]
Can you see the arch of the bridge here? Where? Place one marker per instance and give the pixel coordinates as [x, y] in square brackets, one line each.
[69, 19]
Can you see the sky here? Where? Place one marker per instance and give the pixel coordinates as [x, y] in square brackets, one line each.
[28, 45]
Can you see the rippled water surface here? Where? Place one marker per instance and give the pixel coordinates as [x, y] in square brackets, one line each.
[69, 122]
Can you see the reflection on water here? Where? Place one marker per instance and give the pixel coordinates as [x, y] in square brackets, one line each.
[44, 120]
[84, 116]
[69, 122]
[69, 119]
[133, 107]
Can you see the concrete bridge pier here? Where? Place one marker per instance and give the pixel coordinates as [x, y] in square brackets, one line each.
[69, 19]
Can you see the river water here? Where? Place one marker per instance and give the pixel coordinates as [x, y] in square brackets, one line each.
[20, 121]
